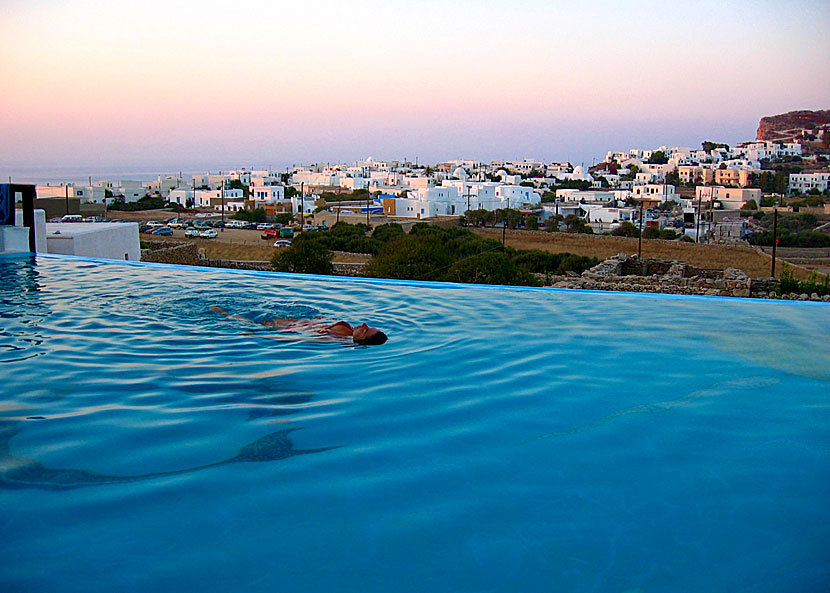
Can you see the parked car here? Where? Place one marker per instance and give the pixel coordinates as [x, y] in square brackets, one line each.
[72, 218]
[144, 228]
[93, 219]
[191, 232]
[176, 224]
[270, 234]
[166, 231]
[286, 232]
[208, 234]
[155, 224]
[282, 243]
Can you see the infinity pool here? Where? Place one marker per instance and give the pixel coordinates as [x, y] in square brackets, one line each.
[502, 439]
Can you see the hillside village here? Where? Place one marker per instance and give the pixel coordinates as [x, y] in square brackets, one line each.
[696, 193]
[718, 194]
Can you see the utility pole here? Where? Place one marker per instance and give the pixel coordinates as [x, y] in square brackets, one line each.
[368, 195]
[697, 220]
[640, 238]
[222, 195]
[302, 206]
[774, 239]
[504, 224]
[66, 196]
[467, 213]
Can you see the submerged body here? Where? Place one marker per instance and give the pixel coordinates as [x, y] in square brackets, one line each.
[361, 334]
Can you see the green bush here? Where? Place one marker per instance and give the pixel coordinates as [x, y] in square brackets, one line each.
[257, 215]
[651, 232]
[412, 257]
[306, 257]
[490, 268]
[626, 229]
[788, 283]
[387, 232]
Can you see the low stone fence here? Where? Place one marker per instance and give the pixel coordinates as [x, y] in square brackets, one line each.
[170, 252]
[340, 269]
[632, 274]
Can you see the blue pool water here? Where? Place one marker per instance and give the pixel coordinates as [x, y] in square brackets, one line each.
[501, 440]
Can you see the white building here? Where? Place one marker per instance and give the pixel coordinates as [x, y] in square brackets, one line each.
[454, 197]
[804, 182]
[267, 194]
[183, 197]
[207, 198]
[730, 198]
[654, 191]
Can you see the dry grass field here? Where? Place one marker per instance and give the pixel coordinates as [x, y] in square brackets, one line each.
[223, 248]
[715, 257]
[246, 245]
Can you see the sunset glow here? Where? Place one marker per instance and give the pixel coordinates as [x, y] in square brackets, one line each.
[178, 84]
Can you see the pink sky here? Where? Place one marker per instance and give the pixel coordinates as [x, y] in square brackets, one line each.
[183, 84]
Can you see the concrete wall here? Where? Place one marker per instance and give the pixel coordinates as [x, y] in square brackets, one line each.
[40, 228]
[108, 241]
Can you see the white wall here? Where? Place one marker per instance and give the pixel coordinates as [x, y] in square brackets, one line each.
[104, 240]
[40, 228]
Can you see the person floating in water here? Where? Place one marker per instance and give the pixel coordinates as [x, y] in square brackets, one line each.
[361, 334]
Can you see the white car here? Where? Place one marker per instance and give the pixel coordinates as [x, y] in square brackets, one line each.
[155, 224]
[208, 234]
[282, 243]
[191, 232]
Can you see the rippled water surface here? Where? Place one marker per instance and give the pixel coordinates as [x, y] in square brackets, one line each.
[501, 440]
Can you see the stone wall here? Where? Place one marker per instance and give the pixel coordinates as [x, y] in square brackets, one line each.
[632, 274]
[340, 269]
[170, 252]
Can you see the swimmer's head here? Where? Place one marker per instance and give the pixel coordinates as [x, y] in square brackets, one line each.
[368, 336]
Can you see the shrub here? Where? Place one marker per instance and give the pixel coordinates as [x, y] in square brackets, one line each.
[306, 257]
[490, 268]
[626, 229]
[387, 232]
[789, 283]
[651, 232]
[413, 257]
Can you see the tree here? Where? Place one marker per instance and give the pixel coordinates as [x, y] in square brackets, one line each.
[306, 257]
[626, 229]
[658, 157]
[576, 224]
[237, 184]
[387, 232]
[412, 257]
[750, 205]
[553, 223]
[257, 215]
[284, 217]
[651, 232]
[709, 146]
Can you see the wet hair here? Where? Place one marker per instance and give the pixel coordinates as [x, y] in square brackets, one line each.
[375, 339]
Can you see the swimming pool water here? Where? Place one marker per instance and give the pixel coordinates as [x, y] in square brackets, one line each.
[501, 440]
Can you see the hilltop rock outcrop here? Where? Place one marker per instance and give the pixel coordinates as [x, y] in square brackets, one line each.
[789, 126]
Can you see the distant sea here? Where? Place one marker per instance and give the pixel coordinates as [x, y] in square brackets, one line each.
[79, 175]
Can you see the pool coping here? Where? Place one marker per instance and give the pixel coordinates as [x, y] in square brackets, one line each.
[399, 282]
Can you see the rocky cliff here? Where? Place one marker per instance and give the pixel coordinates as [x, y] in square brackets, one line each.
[788, 126]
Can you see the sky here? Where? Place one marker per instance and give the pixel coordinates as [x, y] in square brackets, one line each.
[177, 85]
